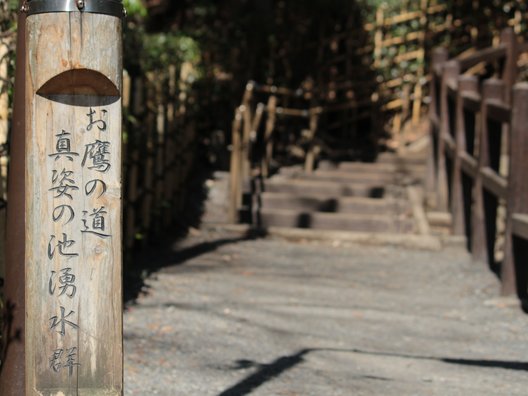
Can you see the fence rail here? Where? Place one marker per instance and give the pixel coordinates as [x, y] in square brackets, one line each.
[480, 146]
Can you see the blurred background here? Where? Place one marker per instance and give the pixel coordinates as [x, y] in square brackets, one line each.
[187, 69]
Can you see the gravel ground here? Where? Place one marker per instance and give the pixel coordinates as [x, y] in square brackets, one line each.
[265, 316]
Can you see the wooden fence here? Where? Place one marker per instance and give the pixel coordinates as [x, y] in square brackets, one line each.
[479, 118]
[255, 139]
[395, 47]
[159, 149]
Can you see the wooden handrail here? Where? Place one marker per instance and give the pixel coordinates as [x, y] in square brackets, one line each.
[464, 113]
[498, 111]
[487, 55]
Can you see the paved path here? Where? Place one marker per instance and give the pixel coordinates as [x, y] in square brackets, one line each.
[233, 316]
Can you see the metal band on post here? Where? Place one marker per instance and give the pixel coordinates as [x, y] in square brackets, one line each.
[106, 7]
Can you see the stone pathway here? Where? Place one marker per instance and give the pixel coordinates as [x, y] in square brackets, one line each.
[229, 315]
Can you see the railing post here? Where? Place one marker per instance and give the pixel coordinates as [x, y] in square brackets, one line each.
[440, 56]
[73, 199]
[466, 84]
[268, 134]
[235, 168]
[517, 200]
[450, 73]
[247, 128]
[309, 163]
[509, 73]
[481, 229]
[256, 123]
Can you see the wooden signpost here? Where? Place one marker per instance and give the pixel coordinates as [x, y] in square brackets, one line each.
[73, 198]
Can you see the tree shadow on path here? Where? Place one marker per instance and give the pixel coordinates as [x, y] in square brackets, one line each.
[268, 372]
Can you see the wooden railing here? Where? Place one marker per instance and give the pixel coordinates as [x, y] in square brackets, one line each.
[254, 136]
[479, 129]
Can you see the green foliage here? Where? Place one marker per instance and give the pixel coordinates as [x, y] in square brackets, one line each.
[144, 51]
[8, 9]
[164, 49]
[135, 8]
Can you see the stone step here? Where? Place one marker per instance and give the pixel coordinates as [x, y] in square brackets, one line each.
[343, 176]
[335, 221]
[324, 189]
[271, 200]
[356, 166]
[407, 158]
[417, 172]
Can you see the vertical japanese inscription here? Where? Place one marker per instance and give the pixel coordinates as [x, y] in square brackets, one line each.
[63, 250]
[79, 207]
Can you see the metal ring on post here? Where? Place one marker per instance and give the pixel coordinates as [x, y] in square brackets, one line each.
[106, 7]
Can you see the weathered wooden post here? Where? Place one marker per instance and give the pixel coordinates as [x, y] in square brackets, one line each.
[450, 75]
[246, 133]
[235, 171]
[466, 84]
[440, 56]
[268, 134]
[484, 209]
[311, 152]
[73, 198]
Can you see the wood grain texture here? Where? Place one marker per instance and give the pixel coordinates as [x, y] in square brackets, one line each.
[73, 205]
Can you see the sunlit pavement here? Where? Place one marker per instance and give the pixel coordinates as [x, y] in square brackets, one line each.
[237, 316]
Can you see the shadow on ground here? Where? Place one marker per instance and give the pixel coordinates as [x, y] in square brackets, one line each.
[268, 372]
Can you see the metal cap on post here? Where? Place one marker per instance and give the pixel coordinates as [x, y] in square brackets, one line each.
[72, 203]
[105, 7]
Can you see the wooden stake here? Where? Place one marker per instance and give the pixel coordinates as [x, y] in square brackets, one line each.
[73, 205]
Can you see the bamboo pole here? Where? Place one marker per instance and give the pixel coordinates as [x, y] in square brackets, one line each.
[73, 203]
[378, 36]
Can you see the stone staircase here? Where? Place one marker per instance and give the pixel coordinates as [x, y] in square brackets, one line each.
[381, 197]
